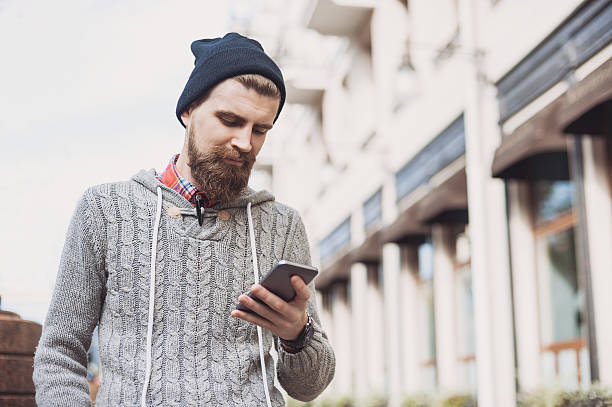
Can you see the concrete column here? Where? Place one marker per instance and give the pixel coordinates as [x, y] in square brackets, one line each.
[444, 306]
[341, 316]
[488, 227]
[524, 276]
[375, 334]
[391, 269]
[359, 306]
[409, 321]
[599, 228]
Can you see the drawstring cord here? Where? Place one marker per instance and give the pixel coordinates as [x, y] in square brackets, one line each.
[256, 275]
[143, 398]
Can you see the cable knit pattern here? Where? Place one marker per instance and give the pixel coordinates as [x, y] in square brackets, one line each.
[200, 355]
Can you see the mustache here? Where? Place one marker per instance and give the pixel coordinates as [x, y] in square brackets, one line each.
[229, 153]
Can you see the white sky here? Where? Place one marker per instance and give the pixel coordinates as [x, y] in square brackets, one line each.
[88, 90]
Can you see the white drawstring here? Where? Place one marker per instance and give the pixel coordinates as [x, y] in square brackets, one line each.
[256, 275]
[143, 398]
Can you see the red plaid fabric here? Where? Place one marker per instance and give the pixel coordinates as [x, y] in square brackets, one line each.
[172, 179]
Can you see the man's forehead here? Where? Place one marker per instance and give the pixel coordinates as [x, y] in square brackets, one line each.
[232, 97]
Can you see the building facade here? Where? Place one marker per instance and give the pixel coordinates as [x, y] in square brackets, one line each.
[453, 165]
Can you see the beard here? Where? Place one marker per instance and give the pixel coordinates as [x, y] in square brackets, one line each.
[220, 181]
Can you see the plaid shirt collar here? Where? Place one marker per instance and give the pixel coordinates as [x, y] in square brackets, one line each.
[173, 180]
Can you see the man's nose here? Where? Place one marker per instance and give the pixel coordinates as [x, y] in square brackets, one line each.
[242, 140]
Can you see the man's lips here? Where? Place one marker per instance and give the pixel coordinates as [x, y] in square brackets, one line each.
[234, 162]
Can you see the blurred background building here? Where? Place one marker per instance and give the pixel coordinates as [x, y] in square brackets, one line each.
[452, 161]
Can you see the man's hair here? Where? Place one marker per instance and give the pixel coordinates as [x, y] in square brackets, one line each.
[260, 84]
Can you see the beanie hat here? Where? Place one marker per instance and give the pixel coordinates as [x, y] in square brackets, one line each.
[217, 59]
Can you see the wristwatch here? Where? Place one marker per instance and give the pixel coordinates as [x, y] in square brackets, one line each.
[303, 338]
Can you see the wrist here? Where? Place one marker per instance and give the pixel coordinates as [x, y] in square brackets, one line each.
[302, 338]
[303, 325]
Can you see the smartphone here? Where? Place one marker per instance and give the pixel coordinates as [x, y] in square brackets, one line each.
[278, 281]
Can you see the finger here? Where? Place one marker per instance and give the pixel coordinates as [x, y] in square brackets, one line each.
[302, 293]
[272, 300]
[259, 308]
[252, 318]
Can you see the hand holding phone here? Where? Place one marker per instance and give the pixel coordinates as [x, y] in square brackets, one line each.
[284, 296]
[278, 281]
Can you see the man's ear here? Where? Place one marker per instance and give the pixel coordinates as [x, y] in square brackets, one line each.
[186, 117]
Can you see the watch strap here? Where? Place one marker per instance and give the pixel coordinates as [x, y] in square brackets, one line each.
[303, 337]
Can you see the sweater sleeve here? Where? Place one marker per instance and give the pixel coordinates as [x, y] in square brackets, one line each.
[60, 362]
[304, 375]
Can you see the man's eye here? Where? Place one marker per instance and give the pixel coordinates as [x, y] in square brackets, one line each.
[228, 122]
[259, 131]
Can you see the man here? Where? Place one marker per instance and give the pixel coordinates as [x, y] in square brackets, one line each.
[161, 261]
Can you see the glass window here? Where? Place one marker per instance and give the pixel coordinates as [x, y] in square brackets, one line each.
[426, 261]
[465, 309]
[464, 313]
[426, 277]
[558, 289]
[326, 298]
[551, 199]
[427, 317]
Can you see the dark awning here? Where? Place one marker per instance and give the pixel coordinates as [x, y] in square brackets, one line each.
[412, 223]
[537, 148]
[588, 107]
[536, 139]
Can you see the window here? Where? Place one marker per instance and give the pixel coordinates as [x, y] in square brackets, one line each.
[464, 313]
[326, 299]
[427, 318]
[564, 353]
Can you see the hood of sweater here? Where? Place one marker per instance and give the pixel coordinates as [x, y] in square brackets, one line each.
[148, 179]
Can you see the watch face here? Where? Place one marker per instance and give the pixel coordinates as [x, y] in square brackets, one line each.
[309, 332]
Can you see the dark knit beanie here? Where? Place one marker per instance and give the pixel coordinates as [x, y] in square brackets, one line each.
[217, 59]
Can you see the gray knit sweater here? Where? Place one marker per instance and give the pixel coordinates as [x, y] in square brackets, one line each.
[200, 355]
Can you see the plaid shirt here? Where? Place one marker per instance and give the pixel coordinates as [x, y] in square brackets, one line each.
[172, 179]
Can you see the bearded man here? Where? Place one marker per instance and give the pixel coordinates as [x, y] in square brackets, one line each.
[161, 261]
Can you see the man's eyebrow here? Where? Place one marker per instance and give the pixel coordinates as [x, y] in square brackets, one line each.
[227, 115]
[224, 114]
